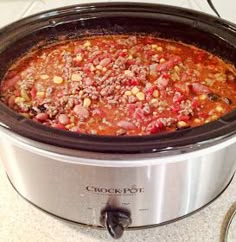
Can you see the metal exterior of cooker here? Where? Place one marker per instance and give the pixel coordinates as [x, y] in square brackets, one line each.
[153, 179]
[153, 193]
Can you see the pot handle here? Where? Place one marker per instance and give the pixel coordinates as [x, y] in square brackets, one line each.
[115, 221]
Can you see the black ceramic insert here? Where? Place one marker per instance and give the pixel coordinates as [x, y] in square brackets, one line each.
[205, 31]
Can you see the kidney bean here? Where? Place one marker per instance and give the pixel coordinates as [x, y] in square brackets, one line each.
[213, 97]
[59, 126]
[63, 119]
[10, 82]
[126, 124]
[227, 100]
[105, 62]
[42, 116]
[81, 111]
[199, 88]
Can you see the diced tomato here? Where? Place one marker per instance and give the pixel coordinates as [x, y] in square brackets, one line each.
[165, 66]
[122, 53]
[175, 108]
[178, 97]
[200, 55]
[59, 126]
[211, 67]
[162, 82]
[78, 50]
[183, 87]
[99, 112]
[104, 62]
[33, 92]
[10, 82]
[131, 108]
[203, 115]
[183, 118]
[132, 82]
[155, 127]
[195, 104]
[148, 40]
[130, 62]
[16, 92]
[139, 114]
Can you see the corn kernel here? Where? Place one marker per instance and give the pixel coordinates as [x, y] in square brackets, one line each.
[44, 77]
[153, 100]
[182, 124]
[40, 94]
[19, 99]
[81, 92]
[135, 90]
[76, 77]
[203, 97]
[128, 72]
[162, 60]
[219, 109]
[92, 68]
[214, 117]
[57, 79]
[24, 94]
[155, 93]
[69, 126]
[197, 120]
[154, 46]
[99, 67]
[140, 96]
[130, 57]
[104, 69]
[72, 119]
[159, 48]
[86, 102]
[79, 57]
[87, 44]
[128, 93]
[176, 68]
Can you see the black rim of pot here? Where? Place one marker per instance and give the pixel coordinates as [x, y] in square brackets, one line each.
[189, 138]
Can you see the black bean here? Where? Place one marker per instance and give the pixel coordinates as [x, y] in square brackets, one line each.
[226, 100]
[42, 108]
[121, 132]
[33, 111]
[213, 97]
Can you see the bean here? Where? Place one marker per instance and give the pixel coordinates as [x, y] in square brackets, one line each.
[42, 108]
[125, 124]
[213, 96]
[81, 111]
[226, 100]
[182, 125]
[41, 116]
[63, 119]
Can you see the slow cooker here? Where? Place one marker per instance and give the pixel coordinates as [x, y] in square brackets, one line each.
[118, 182]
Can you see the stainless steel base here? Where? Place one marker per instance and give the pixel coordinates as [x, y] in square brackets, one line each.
[159, 190]
[129, 228]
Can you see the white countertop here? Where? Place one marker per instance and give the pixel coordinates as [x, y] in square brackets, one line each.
[21, 222]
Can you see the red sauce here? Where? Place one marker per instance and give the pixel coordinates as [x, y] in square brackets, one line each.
[120, 85]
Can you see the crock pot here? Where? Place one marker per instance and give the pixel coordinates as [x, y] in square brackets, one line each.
[118, 182]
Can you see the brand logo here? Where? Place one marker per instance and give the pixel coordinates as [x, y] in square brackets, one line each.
[115, 191]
